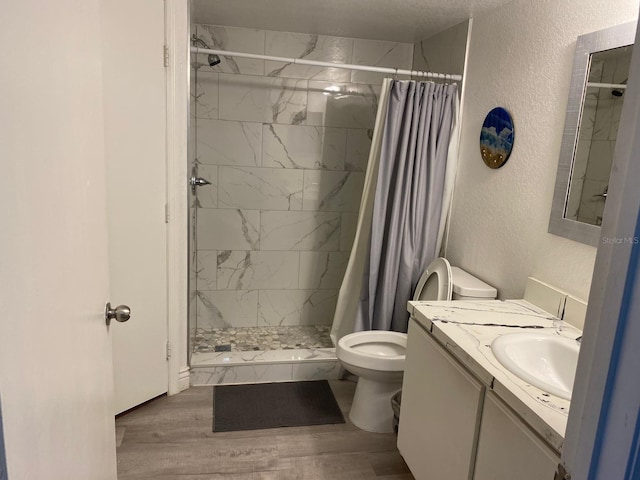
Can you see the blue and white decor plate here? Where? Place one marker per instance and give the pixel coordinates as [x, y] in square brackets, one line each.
[496, 137]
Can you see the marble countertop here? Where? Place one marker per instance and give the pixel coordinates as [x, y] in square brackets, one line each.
[467, 328]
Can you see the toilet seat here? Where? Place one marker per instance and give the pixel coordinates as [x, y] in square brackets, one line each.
[374, 349]
[435, 283]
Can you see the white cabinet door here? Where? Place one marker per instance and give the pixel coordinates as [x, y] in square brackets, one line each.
[135, 116]
[440, 411]
[507, 449]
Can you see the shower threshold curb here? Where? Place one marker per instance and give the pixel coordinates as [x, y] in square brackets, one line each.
[229, 368]
[268, 357]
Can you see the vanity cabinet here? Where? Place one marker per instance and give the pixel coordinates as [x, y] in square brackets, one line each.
[441, 404]
[453, 426]
[508, 449]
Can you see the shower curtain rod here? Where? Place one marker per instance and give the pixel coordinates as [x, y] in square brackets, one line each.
[346, 66]
[606, 85]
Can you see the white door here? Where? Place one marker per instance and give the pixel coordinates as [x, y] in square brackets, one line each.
[56, 384]
[135, 145]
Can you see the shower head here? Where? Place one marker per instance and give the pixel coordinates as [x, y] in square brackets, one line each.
[619, 92]
[213, 60]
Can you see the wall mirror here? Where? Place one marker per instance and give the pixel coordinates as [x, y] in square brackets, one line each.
[597, 92]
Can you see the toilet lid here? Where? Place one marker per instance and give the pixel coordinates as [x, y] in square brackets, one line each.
[435, 282]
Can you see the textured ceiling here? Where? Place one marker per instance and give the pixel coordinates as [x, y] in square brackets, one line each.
[396, 20]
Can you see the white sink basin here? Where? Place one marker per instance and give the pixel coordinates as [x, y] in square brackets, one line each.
[546, 361]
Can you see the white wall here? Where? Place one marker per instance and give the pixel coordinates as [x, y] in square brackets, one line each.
[521, 58]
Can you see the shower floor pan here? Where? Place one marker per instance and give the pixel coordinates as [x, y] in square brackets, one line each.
[263, 354]
[263, 338]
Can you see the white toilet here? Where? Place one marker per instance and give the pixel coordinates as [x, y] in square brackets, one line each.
[377, 356]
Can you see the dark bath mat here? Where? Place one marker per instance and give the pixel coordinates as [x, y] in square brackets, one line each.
[272, 405]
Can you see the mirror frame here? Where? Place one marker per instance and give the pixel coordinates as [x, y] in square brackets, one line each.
[607, 39]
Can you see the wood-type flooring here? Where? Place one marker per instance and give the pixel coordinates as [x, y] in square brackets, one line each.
[172, 438]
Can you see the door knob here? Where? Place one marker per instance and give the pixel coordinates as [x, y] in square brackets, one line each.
[121, 313]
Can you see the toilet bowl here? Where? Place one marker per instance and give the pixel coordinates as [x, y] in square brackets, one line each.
[377, 357]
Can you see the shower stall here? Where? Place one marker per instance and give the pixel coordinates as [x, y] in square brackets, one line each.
[278, 152]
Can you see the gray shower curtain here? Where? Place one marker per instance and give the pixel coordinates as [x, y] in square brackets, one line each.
[408, 204]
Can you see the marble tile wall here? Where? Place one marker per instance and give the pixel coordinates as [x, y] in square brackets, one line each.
[223, 368]
[258, 372]
[596, 144]
[285, 147]
[191, 158]
[444, 52]
[583, 148]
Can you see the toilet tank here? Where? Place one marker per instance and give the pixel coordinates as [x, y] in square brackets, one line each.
[468, 287]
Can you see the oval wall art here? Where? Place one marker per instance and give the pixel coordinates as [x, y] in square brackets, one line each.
[496, 138]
